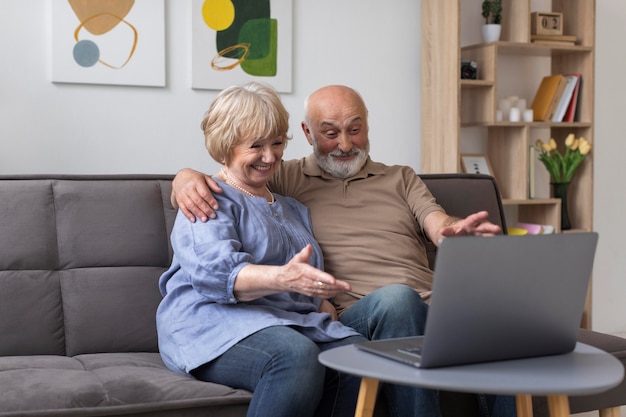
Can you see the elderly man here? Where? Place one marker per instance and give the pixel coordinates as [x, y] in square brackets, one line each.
[370, 220]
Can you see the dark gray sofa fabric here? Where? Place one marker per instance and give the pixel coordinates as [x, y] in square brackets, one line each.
[80, 259]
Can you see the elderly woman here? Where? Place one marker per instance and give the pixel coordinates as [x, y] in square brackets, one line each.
[243, 300]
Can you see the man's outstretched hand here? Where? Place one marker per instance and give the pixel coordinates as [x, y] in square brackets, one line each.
[475, 224]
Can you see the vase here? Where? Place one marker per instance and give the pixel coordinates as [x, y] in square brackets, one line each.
[491, 33]
[559, 190]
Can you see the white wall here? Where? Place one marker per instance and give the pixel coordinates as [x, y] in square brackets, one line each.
[609, 290]
[370, 45]
[69, 128]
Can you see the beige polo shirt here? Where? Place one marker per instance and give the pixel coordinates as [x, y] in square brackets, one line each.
[369, 225]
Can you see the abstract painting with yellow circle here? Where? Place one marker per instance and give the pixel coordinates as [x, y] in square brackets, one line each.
[108, 41]
[239, 40]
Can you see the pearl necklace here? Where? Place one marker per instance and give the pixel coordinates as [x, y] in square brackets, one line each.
[246, 192]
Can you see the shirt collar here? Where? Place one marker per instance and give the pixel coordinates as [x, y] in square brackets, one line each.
[370, 168]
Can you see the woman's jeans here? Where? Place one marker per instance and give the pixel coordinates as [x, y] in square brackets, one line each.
[279, 365]
[399, 311]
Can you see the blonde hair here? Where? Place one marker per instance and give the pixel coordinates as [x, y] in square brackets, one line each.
[241, 114]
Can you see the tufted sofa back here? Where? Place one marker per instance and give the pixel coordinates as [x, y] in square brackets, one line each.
[80, 259]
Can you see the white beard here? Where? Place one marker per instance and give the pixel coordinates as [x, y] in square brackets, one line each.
[341, 169]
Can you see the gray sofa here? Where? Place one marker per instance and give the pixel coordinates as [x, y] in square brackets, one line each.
[80, 258]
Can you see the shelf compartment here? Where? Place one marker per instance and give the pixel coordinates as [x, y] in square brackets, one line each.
[539, 211]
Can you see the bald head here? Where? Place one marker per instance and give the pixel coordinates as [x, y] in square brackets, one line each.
[335, 100]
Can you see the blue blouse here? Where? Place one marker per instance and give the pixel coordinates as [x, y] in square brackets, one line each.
[199, 317]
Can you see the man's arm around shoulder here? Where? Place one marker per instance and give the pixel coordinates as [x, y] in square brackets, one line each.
[192, 193]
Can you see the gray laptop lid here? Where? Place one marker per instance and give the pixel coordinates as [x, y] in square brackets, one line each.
[507, 297]
[502, 297]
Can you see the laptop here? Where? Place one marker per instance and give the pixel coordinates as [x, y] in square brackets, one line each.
[500, 298]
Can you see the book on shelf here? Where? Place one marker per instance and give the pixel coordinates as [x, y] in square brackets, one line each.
[553, 39]
[547, 97]
[566, 97]
[572, 108]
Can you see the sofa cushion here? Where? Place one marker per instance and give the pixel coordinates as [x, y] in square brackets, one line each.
[96, 227]
[143, 378]
[110, 309]
[47, 382]
[31, 315]
[28, 225]
[100, 383]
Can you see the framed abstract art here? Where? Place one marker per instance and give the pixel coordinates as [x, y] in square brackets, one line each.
[234, 41]
[108, 42]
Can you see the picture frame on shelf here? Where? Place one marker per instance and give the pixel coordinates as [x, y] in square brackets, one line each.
[473, 163]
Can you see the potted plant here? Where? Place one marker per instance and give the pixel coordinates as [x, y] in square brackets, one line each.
[492, 12]
[562, 167]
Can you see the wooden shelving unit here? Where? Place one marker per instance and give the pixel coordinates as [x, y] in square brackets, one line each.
[450, 106]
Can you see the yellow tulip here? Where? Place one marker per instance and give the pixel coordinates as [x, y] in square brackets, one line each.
[552, 143]
[562, 166]
[583, 140]
[584, 148]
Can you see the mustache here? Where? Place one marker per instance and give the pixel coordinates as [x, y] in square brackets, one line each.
[340, 153]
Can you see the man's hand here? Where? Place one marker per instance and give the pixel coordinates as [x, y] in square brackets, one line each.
[439, 225]
[192, 194]
[475, 224]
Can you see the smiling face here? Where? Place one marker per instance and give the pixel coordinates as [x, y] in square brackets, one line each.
[245, 129]
[336, 126]
[252, 163]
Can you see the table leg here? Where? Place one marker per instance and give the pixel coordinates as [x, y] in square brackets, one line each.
[367, 397]
[558, 405]
[610, 412]
[524, 405]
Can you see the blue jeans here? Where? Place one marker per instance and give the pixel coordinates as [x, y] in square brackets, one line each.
[279, 365]
[395, 311]
[399, 311]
